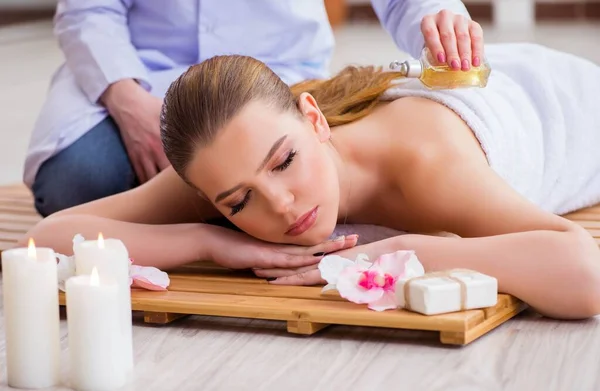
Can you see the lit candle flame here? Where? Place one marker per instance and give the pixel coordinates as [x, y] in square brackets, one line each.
[31, 252]
[94, 278]
[100, 240]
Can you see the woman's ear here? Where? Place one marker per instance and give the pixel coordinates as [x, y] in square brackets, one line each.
[310, 110]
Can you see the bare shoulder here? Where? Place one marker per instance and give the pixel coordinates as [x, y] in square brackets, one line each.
[424, 132]
[426, 136]
[165, 199]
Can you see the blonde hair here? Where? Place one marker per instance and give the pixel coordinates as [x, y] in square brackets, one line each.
[208, 95]
[350, 95]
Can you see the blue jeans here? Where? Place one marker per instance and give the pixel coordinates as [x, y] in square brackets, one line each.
[93, 167]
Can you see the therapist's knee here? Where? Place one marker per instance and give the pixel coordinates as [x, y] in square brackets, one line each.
[94, 167]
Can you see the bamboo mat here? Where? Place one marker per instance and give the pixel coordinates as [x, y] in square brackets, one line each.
[203, 288]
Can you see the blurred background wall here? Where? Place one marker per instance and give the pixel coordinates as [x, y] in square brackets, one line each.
[29, 54]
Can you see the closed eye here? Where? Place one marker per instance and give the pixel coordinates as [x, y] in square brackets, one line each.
[240, 205]
[237, 208]
[287, 162]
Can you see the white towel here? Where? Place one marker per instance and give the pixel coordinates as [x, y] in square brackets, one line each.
[538, 122]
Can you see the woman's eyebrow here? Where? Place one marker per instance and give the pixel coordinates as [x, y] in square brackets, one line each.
[270, 154]
[272, 151]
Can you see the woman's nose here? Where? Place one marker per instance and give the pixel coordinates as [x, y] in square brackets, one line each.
[281, 200]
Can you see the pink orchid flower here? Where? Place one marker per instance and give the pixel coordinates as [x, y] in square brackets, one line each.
[375, 284]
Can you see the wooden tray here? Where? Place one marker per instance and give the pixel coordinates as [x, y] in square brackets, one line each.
[204, 288]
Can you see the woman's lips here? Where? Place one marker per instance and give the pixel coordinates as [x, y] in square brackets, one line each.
[305, 221]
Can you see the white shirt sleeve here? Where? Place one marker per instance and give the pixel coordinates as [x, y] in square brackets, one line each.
[402, 19]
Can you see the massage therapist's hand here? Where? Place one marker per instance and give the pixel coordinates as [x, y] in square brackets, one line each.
[137, 113]
[310, 275]
[237, 250]
[453, 39]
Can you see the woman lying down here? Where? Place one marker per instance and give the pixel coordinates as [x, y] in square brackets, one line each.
[494, 166]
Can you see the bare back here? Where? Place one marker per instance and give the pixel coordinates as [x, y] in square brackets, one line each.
[432, 175]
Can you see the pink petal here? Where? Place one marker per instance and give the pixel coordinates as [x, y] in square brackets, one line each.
[386, 302]
[394, 263]
[331, 266]
[142, 282]
[148, 277]
[348, 287]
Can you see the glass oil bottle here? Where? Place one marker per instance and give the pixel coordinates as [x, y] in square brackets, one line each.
[440, 76]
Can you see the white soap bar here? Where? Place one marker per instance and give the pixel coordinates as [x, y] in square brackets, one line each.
[436, 293]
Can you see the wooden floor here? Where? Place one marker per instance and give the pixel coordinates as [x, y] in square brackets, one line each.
[213, 353]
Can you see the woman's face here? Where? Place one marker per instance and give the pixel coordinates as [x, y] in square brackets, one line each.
[272, 174]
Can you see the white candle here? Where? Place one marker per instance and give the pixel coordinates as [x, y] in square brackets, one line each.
[31, 317]
[93, 315]
[111, 258]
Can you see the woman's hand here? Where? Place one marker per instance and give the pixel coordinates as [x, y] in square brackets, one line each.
[237, 250]
[310, 274]
[453, 39]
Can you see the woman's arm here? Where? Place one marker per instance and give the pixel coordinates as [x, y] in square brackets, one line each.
[547, 261]
[160, 222]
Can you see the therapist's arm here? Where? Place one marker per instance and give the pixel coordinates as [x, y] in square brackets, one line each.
[95, 40]
[445, 24]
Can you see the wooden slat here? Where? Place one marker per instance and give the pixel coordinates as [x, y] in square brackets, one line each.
[14, 227]
[594, 232]
[15, 190]
[248, 289]
[499, 317]
[18, 210]
[207, 271]
[583, 215]
[17, 205]
[592, 209]
[29, 219]
[11, 236]
[588, 224]
[215, 277]
[6, 244]
[319, 311]
[198, 266]
[16, 199]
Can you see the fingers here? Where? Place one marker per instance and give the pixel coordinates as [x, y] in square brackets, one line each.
[138, 167]
[453, 39]
[160, 158]
[295, 256]
[311, 277]
[149, 167]
[445, 23]
[432, 38]
[158, 154]
[281, 260]
[274, 273]
[337, 244]
[163, 163]
[476, 33]
[463, 41]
